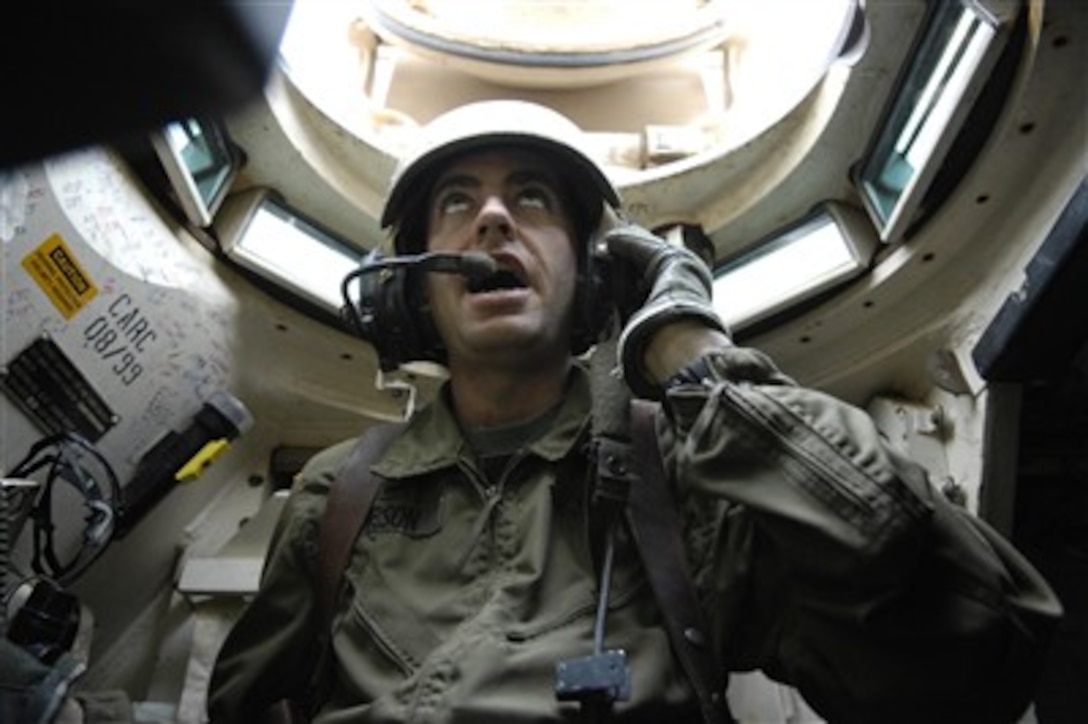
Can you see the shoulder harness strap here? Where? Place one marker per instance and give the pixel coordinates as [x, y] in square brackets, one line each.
[655, 526]
[350, 497]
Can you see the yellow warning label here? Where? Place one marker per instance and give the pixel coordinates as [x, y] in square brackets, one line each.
[60, 276]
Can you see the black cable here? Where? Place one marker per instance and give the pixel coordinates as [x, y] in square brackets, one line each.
[65, 455]
[604, 587]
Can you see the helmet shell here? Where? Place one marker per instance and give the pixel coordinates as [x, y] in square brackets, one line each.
[487, 124]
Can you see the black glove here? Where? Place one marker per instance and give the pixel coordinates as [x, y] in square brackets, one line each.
[676, 284]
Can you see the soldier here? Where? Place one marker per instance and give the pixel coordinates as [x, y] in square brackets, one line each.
[507, 588]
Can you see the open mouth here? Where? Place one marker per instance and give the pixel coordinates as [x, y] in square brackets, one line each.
[500, 280]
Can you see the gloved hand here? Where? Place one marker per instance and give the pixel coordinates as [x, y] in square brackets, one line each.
[677, 286]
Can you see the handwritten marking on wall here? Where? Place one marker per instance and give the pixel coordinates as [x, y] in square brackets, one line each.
[60, 276]
[14, 203]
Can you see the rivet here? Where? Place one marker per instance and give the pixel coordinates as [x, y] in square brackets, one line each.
[695, 636]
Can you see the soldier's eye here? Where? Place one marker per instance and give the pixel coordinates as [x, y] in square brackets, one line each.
[454, 202]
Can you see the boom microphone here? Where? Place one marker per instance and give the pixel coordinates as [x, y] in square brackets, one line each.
[383, 309]
[474, 265]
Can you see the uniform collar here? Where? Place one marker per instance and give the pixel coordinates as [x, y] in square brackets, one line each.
[433, 439]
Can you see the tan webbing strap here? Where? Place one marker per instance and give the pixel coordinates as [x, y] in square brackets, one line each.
[349, 501]
[655, 526]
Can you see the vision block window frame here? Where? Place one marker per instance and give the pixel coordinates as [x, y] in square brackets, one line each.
[259, 232]
[961, 43]
[826, 248]
[201, 164]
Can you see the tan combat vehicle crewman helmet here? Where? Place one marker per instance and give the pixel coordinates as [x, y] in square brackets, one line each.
[487, 124]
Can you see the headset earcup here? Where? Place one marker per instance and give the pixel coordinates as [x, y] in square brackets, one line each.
[392, 315]
[425, 342]
[371, 313]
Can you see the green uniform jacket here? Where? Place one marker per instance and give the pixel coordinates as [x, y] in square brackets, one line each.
[820, 556]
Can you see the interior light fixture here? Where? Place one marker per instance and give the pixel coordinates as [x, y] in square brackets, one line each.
[260, 232]
[825, 249]
[962, 41]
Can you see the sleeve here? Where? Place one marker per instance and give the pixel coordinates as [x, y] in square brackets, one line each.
[260, 662]
[857, 582]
